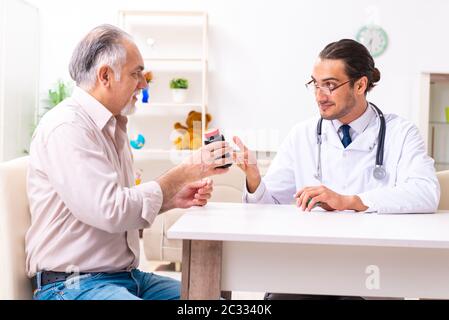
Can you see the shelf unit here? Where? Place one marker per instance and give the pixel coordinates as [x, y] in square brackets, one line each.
[435, 100]
[173, 45]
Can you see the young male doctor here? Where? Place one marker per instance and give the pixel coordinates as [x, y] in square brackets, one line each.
[355, 163]
[352, 157]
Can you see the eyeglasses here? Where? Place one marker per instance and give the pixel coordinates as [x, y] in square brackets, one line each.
[327, 89]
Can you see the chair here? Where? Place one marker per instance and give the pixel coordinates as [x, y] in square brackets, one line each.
[443, 178]
[15, 220]
[157, 247]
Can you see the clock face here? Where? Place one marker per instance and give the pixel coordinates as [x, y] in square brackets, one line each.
[374, 38]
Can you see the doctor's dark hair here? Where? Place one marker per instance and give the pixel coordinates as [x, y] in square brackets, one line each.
[104, 45]
[358, 61]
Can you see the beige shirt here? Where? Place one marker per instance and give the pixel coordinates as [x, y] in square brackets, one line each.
[85, 208]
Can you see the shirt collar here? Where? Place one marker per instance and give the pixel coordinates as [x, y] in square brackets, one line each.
[360, 124]
[96, 111]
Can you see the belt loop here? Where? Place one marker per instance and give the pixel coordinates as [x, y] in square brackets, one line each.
[39, 280]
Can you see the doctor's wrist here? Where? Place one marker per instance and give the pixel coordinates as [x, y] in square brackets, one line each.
[253, 182]
[355, 203]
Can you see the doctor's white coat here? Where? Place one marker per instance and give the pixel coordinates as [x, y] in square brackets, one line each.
[411, 185]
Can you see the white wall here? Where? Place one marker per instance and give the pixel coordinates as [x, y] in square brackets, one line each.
[262, 52]
[19, 76]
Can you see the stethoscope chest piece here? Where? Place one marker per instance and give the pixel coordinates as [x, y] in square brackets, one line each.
[379, 173]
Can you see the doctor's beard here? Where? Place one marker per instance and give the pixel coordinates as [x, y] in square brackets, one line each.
[348, 107]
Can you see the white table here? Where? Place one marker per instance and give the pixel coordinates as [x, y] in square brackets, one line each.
[273, 248]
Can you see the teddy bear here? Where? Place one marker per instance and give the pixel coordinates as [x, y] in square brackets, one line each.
[189, 138]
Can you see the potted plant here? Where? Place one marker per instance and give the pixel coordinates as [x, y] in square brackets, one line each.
[179, 88]
[55, 95]
[61, 91]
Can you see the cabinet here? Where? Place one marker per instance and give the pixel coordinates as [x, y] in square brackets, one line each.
[173, 45]
[19, 74]
[436, 100]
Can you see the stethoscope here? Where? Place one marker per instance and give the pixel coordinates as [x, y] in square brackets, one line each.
[379, 171]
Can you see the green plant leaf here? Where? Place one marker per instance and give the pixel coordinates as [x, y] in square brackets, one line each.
[179, 83]
[59, 94]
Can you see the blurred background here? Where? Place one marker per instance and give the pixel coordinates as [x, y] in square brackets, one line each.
[256, 56]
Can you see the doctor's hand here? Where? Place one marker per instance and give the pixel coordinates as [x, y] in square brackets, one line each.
[247, 161]
[193, 194]
[329, 200]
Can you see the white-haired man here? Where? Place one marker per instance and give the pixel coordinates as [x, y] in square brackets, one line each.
[86, 211]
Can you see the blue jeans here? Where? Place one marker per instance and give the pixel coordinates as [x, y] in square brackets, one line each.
[133, 285]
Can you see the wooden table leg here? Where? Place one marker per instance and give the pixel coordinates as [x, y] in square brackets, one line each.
[226, 295]
[185, 275]
[201, 270]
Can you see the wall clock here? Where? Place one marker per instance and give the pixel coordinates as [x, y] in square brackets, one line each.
[374, 38]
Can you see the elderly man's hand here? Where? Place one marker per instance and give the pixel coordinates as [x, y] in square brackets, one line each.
[194, 194]
[207, 161]
[180, 186]
[329, 200]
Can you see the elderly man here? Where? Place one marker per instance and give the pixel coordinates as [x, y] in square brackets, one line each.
[86, 211]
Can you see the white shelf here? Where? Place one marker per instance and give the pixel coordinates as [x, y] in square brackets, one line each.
[166, 109]
[157, 19]
[174, 64]
[173, 59]
[439, 123]
[140, 13]
[161, 154]
[168, 105]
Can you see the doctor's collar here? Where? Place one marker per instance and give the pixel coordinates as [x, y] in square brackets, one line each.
[360, 124]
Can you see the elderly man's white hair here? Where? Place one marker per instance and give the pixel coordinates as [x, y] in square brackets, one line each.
[104, 45]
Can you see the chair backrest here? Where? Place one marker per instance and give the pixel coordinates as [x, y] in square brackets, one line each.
[229, 187]
[15, 220]
[443, 178]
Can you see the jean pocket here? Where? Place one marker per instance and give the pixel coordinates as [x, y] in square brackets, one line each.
[46, 292]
